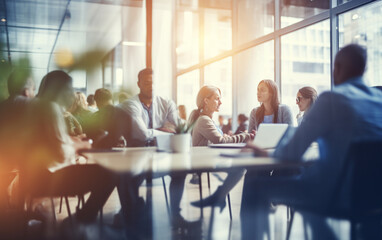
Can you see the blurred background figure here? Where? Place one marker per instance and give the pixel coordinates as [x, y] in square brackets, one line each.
[92, 106]
[123, 97]
[79, 109]
[221, 122]
[306, 96]
[227, 129]
[182, 112]
[242, 120]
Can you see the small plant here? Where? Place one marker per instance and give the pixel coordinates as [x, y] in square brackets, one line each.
[183, 128]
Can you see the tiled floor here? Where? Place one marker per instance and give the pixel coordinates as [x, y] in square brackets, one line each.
[221, 227]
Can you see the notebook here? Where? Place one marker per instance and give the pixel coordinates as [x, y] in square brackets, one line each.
[227, 145]
[268, 135]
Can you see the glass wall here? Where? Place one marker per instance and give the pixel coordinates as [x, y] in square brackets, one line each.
[255, 19]
[219, 74]
[293, 11]
[364, 26]
[305, 61]
[253, 65]
[187, 90]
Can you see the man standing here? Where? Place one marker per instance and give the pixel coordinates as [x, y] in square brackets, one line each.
[351, 111]
[152, 116]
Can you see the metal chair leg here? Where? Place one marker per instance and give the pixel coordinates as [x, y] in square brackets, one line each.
[200, 194]
[68, 207]
[59, 210]
[166, 197]
[289, 225]
[229, 206]
[208, 180]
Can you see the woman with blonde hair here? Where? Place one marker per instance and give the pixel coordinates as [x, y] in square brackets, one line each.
[79, 109]
[205, 131]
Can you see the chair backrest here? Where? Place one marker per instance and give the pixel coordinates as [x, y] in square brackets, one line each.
[363, 171]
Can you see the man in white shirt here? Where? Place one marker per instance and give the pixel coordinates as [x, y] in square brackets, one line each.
[152, 116]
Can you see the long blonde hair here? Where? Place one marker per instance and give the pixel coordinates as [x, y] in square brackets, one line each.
[79, 104]
[204, 92]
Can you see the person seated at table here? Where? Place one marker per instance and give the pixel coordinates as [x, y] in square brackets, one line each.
[92, 106]
[47, 167]
[205, 131]
[111, 119]
[305, 99]
[351, 111]
[242, 120]
[152, 116]
[80, 110]
[270, 110]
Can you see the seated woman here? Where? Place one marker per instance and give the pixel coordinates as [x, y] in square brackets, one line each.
[80, 111]
[205, 131]
[49, 151]
[270, 110]
[242, 120]
[306, 96]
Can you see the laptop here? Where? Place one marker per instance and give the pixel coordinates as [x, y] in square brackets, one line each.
[269, 135]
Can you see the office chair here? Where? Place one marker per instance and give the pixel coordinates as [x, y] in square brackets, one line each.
[363, 167]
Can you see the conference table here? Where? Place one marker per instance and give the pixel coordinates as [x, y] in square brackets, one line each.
[148, 161]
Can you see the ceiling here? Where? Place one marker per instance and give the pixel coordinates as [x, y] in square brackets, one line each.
[38, 28]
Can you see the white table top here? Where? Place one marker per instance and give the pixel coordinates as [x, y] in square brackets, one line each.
[144, 160]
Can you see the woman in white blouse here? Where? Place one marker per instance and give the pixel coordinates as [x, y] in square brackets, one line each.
[306, 96]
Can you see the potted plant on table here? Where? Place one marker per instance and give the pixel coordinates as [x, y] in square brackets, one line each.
[181, 140]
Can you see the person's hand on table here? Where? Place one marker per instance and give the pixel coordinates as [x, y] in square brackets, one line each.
[169, 130]
[80, 143]
[259, 152]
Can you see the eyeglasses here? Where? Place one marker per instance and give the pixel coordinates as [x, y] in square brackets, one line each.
[298, 99]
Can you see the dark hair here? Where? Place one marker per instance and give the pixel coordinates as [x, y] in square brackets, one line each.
[242, 117]
[90, 99]
[53, 84]
[275, 102]
[145, 72]
[309, 93]
[102, 95]
[19, 80]
[354, 57]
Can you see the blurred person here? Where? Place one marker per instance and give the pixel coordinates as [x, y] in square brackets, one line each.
[306, 97]
[92, 106]
[79, 109]
[182, 112]
[242, 120]
[221, 122]
[111, 119]
[122, 96]
[47, 165]
[205, 131]
[270, 110]
[227, 129]
[351, 112]
[152, 116]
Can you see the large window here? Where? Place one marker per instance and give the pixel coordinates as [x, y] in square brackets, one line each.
[219, 74]
[255, 19]
[217, 31]
[253, 65]
[187, 90]
[187, 44]
[364, 26]
[305, 61]
[293, 11]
